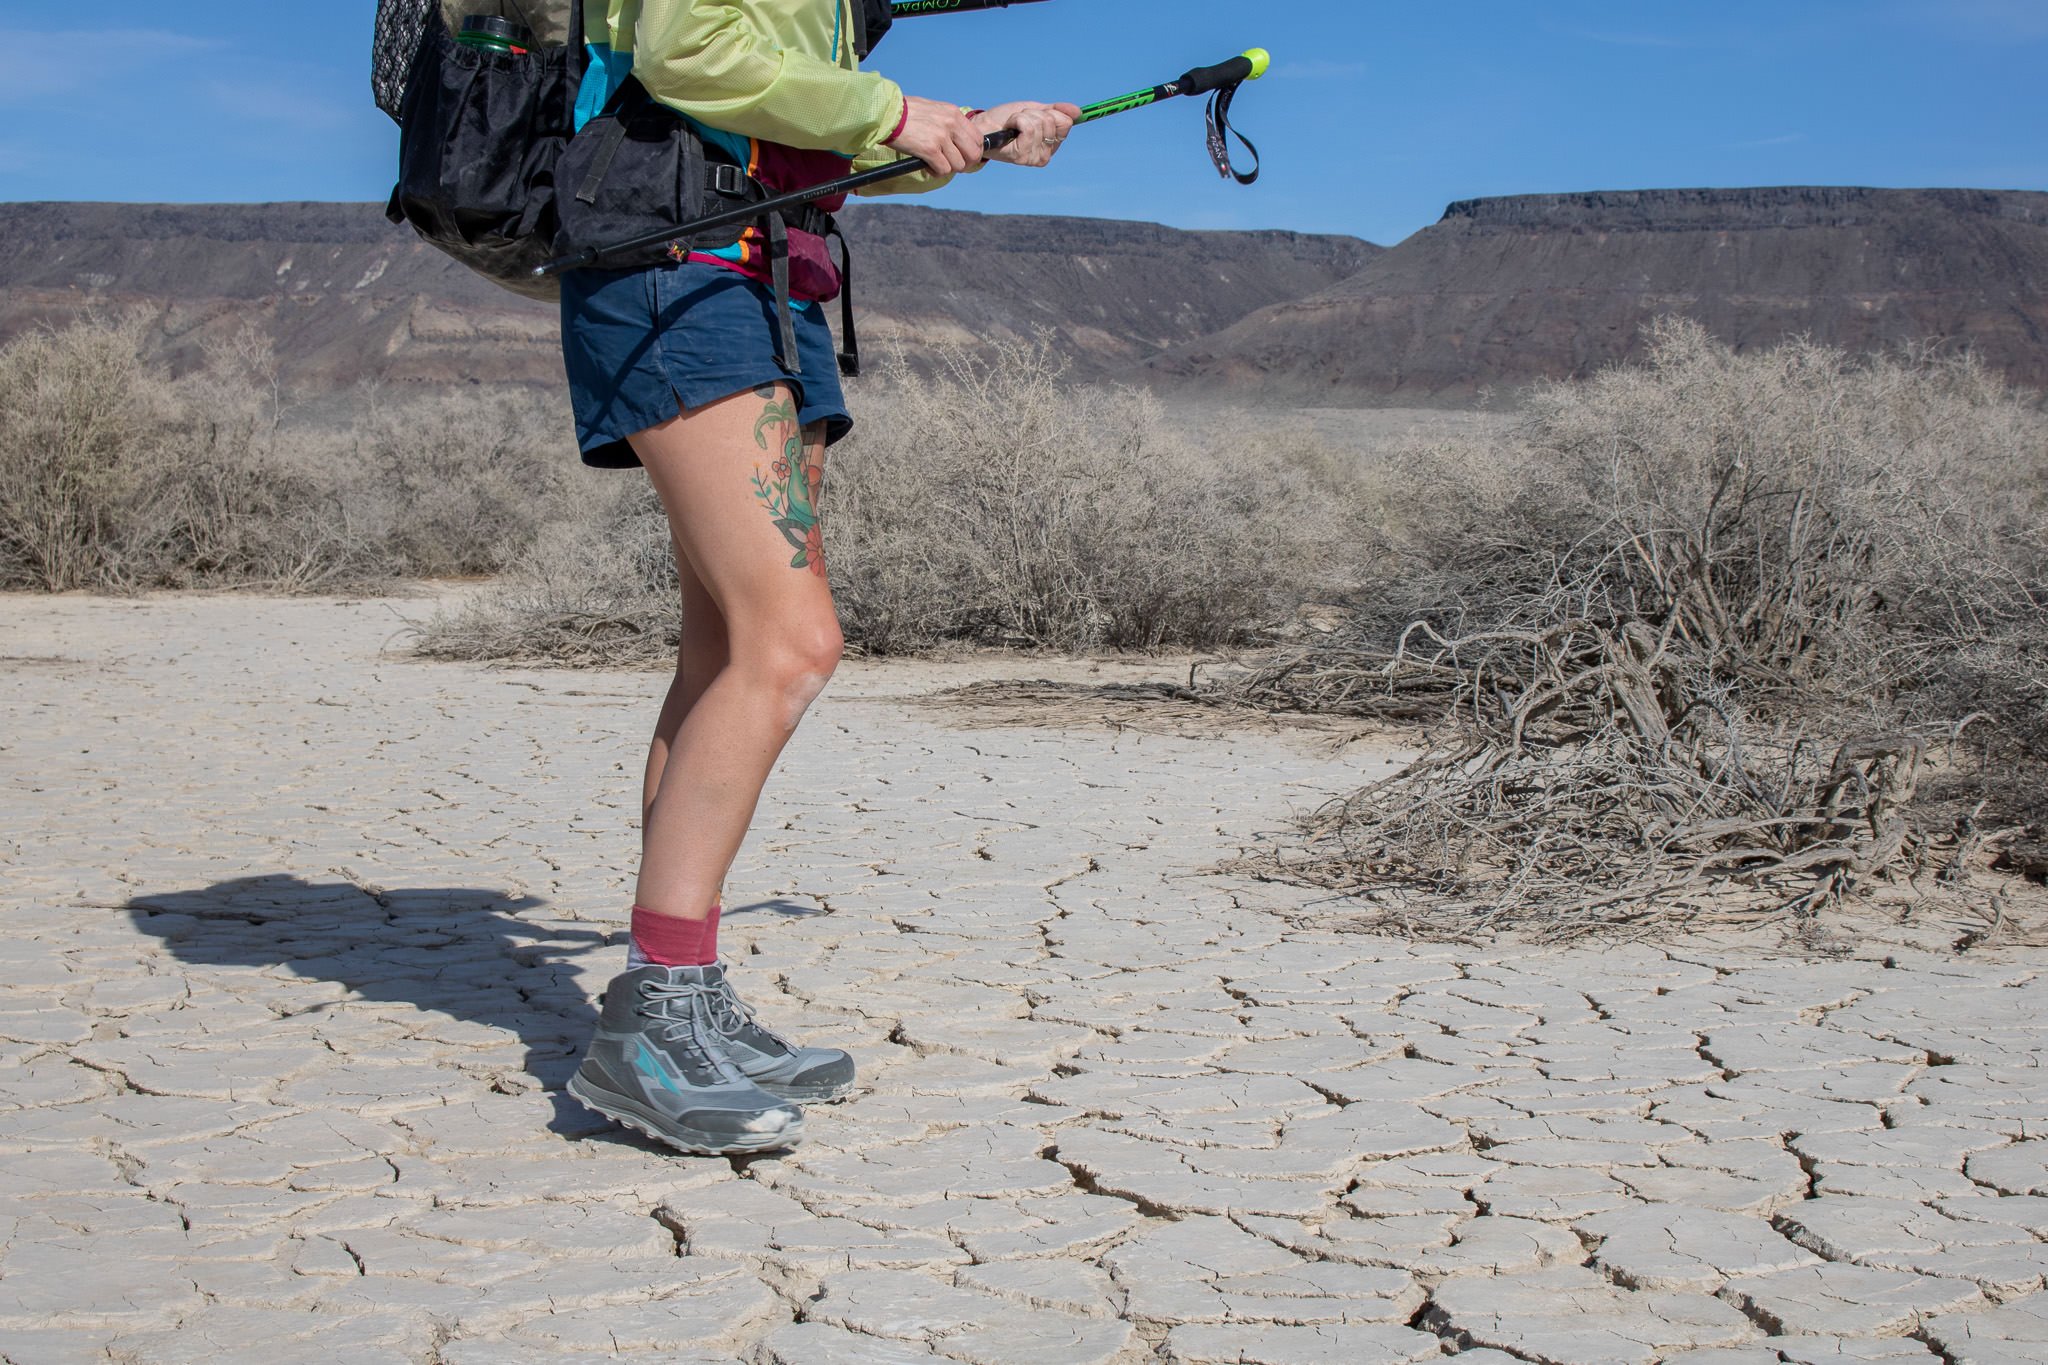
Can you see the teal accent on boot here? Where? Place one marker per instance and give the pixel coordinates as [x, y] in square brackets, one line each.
[810, 1074]
[657, 1063]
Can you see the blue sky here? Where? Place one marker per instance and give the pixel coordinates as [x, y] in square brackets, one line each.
[1374, 117]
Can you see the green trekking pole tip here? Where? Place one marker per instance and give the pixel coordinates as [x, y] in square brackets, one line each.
[1260, 59]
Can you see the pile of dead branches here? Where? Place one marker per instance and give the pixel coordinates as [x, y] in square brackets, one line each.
[1706, 678]
[1597, 776]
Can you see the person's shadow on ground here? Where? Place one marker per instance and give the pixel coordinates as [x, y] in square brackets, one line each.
[458, 951]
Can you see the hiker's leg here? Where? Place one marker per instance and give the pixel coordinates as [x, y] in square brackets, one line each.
[700, 656]
[741, 485]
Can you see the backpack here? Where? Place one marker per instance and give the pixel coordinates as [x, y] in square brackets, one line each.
[479, 134]
[493, 171]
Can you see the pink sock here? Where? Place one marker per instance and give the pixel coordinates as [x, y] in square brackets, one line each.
[671, 941]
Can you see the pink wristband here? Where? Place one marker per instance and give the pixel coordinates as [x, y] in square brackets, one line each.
[901, 123]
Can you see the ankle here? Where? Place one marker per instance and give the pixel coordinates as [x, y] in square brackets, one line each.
[672, 941]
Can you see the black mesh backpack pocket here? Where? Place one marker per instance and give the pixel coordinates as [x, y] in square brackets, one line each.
[400, 27]
[479, 135]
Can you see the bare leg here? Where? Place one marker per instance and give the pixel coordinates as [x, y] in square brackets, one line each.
[700, 656]
[740, 485]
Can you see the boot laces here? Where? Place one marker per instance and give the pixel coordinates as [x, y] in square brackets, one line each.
[689, 1026]
[731, 1014]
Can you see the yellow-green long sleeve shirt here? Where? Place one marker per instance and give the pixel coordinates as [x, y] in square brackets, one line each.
[780, 70]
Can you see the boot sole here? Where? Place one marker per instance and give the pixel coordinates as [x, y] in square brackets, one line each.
[809, 1094]
[622, 1109]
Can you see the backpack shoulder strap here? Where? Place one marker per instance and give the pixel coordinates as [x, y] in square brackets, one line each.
[871, 19]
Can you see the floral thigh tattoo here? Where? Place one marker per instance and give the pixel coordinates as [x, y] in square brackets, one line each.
[791, 487]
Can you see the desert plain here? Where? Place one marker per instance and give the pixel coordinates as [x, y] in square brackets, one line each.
[303, 935]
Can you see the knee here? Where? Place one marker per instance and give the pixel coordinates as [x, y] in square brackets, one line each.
[811, 656]
[799, 662]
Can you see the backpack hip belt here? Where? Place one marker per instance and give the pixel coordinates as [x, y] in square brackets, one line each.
[639, 167]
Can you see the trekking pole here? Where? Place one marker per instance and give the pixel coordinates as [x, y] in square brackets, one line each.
[1221, 80]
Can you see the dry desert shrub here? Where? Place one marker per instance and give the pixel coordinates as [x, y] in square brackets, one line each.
[991, 502]
[1690, 636]
[461, 482]
[113, 476]
[595, 590]
[117, 476]
[71, 403]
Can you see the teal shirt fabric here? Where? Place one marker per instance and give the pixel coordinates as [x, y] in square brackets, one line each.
[607, 72]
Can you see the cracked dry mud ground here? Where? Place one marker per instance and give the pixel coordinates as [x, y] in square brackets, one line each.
[301, 940]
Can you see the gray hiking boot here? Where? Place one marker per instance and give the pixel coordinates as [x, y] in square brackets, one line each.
[770, 1060]
[657, 1064]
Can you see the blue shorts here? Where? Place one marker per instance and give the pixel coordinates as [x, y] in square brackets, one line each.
[642, 345]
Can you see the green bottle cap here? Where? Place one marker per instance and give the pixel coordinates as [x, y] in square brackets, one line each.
[490, 30]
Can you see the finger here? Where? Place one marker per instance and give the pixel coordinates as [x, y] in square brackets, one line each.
[1048, 130]
[963, 143]
[1030, 139]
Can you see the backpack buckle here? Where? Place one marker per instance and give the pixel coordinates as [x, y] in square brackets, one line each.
[729, 180]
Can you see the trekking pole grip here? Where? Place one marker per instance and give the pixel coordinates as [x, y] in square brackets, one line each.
[1246, 66]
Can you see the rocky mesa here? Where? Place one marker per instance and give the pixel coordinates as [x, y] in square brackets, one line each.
[1499, 292]
[347, 297]
[1505, 291]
